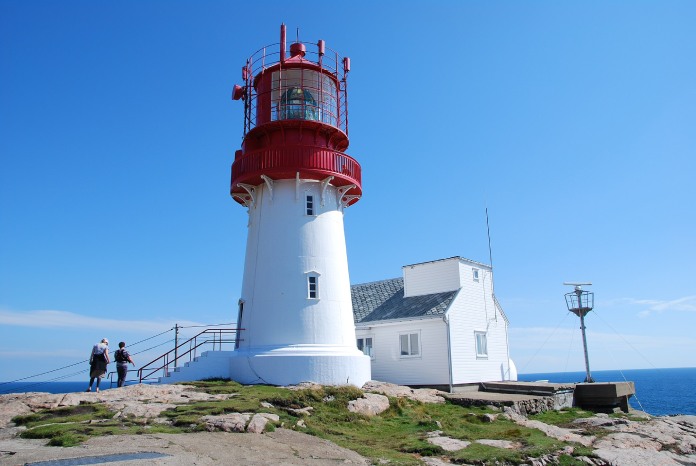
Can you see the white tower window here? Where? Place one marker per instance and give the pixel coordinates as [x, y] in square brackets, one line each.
[313, 286]
[309, 204]
[475, 274]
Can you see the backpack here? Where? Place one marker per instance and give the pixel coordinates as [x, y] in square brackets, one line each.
[120, 356]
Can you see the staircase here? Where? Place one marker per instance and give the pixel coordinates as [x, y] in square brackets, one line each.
[209, 365]
[202, 357]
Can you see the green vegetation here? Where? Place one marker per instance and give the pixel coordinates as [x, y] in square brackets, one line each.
[72, 425]
[561, 418]
[398, 436]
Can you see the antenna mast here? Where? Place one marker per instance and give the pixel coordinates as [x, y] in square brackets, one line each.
[490, 252]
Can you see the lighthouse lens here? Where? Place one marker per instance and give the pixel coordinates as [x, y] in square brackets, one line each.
[301, 94]
[298, 104]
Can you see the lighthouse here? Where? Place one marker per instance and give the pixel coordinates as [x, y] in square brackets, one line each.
[294, 316]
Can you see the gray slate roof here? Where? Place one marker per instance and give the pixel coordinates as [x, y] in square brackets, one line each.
[384, 300]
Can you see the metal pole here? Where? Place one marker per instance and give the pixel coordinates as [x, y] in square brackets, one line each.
[176, 344]
[588, 377]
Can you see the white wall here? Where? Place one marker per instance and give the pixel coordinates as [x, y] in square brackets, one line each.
[474, 311]
[431, 367]
[431, 277]
[284, 245]
[287, 336]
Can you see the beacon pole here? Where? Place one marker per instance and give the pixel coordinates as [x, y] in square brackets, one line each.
[588, 377]
[581, 302]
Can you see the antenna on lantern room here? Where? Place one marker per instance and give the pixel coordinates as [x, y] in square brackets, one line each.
[282, 43]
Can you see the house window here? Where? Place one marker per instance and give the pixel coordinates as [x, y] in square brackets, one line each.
[410, 344]
[365, 345]
[313, 287]
[475, 274]
[310, 204]
[481, 345]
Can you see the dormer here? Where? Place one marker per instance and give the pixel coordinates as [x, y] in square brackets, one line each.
[441, 275]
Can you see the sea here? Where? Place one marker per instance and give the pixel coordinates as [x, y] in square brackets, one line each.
[660, 392]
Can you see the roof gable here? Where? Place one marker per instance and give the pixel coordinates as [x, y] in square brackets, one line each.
[384, 300]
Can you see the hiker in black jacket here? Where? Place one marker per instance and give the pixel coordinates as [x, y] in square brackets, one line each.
[122, 359]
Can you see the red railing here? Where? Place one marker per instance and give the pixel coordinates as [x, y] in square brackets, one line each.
[286, 161]
[336, 112]
[187, 351]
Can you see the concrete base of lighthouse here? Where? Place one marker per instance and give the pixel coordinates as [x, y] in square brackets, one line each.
[289, 365]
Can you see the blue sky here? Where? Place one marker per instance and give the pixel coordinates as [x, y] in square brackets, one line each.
[573, 122]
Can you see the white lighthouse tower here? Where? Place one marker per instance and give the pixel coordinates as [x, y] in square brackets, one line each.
[295, 315]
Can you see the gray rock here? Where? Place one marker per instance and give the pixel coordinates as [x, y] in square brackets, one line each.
[257, 424]
[432, 461]
[596, 421]
[306, 411]
[271, 417]
[448, 444]
[424, 395]
[139, 400]
[558, 433]
[639, 457]
[500, 444]
[370, 404]
[233, 422]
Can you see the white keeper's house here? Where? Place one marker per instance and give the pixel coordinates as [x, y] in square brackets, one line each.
[439, 325]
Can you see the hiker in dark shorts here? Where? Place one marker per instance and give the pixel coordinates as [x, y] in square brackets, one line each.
[98, 360]
[122, 359]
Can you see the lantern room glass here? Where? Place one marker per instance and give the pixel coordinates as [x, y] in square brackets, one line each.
[301, 94]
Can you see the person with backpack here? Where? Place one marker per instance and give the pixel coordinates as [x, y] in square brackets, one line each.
[122, 359]
[98, 360]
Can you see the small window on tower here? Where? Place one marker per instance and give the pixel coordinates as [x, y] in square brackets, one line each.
[313, 287]
[310, 204]
[475, 273]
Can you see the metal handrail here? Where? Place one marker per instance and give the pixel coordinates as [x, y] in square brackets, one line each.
[162, 362]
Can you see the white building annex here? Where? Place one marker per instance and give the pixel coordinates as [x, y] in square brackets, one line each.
[438, 326]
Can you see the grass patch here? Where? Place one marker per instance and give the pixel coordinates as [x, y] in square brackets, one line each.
[563, 417]
[80, 413]
[71, 425]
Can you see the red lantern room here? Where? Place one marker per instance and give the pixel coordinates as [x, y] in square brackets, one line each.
[295, 120]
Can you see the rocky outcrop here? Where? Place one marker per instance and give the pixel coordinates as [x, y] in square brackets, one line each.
[138, 400]
[616, 441]
[233, 422]
[559, 433]
[446, 443]
[253, 423]
[371, 404]
[424, 395]
[661, 440]
[656, 441]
